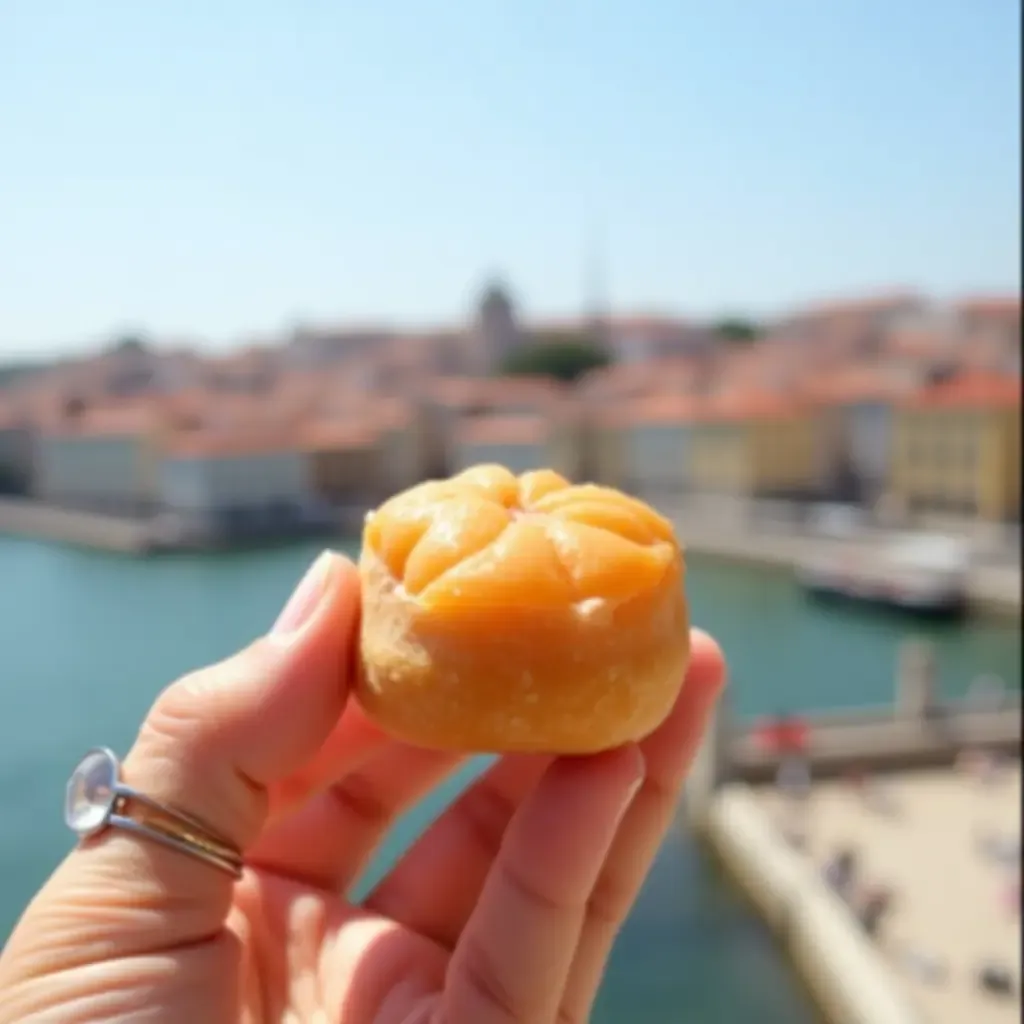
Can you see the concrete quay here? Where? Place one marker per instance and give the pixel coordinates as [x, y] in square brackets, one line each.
[832, 956]
[991, 589]
[22, 517]
[911, 752]
[923, 835]
[25, 518]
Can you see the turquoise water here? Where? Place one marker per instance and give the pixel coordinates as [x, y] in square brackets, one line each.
[88, 639]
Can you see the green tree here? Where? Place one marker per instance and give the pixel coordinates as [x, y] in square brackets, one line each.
[736, 330]
[564, 358]
[132, 342]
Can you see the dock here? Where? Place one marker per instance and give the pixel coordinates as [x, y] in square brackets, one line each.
[142, 535]
[891, 783]
[952, 909]
[22, 517]
[992, 590]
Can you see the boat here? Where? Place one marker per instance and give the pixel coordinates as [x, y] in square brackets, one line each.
[925, 574]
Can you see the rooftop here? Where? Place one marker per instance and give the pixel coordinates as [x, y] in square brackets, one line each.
[970, 390]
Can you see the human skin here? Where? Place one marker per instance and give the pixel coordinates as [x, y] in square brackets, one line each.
[504, 911]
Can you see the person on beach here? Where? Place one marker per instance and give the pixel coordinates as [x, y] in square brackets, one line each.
[211, 883]
[840, 873]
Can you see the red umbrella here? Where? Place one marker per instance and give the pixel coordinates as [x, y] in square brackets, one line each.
[786, 735]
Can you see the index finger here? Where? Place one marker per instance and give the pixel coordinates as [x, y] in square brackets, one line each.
[512, 961]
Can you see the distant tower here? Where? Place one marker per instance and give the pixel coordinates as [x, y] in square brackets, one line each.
[497, 330]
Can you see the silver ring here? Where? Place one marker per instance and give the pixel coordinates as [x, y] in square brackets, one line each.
[96, 800]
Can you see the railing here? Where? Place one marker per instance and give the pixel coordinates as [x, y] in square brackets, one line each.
[883, 741]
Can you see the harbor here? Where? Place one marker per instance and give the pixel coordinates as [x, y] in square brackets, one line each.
[114, 630]
[272, 268]
[955, 911]
[909, 797]
[987, 588]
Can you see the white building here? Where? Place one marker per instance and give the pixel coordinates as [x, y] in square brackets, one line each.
[656, 450]
[234, 482]
[102, 460]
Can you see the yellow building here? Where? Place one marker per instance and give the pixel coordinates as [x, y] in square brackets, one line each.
[957, 449]
[571, 442]
[603, 449]
[754, 446]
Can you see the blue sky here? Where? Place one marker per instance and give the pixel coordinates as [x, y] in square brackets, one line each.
[211, 168]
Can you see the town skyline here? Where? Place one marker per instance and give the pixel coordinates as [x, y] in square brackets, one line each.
[273, 335]
[239, 167]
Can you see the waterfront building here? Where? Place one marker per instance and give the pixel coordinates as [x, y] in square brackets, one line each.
[411, 448]
[855, 414]
[16, 443]
[957, 449]
[656, 446]
[571, 441]
[443, 405]
[754, 445]
[518, 441]
[99, 458]
[235, 482]
[346, 466]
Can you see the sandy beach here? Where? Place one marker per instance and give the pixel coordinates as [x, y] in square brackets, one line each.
[952, 903]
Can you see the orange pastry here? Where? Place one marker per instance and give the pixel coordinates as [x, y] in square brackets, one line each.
[520, 614]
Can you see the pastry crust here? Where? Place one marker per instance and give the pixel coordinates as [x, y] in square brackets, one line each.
[507, 614]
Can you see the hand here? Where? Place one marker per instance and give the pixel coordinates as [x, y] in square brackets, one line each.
[505, 910]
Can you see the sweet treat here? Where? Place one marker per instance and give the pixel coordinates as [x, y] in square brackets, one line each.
[509, 614]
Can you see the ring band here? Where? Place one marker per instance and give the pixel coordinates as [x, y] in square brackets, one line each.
[96, 800]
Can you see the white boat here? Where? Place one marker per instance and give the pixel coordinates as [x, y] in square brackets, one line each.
[924, 573]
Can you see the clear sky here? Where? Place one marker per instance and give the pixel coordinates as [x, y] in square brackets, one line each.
[209, 168]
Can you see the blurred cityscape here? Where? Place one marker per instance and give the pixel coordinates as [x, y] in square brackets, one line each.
[844, 474]
[900, 407]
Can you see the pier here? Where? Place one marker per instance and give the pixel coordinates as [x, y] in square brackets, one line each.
[22, 517]
[892, 784]
[104, 531]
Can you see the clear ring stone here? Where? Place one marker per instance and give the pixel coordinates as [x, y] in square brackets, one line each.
[91, 793]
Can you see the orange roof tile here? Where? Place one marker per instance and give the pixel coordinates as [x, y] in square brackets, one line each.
[659, 409]
[499, 429]
[213, 444]
[854, 384]
[323, 435]
[741, 405]
[996, 306]
[971, 390]
[113, 420]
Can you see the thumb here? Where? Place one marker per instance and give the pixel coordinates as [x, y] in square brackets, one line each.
[211, 745]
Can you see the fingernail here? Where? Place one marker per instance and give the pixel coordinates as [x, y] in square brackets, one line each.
[305, 598]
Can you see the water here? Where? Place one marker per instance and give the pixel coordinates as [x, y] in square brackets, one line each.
[88, 639]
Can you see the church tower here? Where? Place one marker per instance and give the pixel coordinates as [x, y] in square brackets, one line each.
[497, 329]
